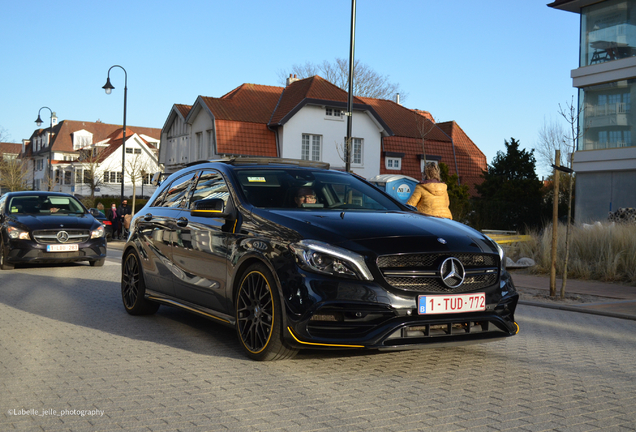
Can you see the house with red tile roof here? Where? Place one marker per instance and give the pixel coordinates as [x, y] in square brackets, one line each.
[306, 120]
[66, 151]
[10, 150]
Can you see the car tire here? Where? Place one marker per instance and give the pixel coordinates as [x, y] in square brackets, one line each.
[133, 287]
[98, 263]
[259, 323]
[4, 265]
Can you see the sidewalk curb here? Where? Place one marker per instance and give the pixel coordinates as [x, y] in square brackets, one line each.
[579, 309]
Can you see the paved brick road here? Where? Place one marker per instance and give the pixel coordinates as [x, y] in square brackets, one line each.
[67, 344]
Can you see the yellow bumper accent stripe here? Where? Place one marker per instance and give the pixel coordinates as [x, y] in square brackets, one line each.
[321, 344]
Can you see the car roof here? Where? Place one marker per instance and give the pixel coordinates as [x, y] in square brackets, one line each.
[265, 162]
[38, 193]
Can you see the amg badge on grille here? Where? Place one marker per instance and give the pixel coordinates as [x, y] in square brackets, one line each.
[441, 240]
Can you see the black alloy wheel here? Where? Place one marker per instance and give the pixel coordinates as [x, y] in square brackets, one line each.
[133, 287]
[259, 317]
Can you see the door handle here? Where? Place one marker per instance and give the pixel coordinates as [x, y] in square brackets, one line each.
[182, 221]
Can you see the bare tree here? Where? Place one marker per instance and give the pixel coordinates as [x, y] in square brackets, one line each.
[366, 81]
[424, 127]
[571, 114]
[136, 168]
[90, 161]
[13, 174]
[4, 135]
[552, 136]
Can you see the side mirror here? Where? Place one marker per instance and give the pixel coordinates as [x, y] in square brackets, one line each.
[156, 179]
[94, 212]
[213, 208]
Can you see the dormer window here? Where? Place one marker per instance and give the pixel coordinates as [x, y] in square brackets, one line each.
[81, 139]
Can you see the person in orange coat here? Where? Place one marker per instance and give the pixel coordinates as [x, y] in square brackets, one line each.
[431, 196]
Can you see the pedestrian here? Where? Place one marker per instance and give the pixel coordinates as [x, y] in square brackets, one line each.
[113, 217]
[431, 196]
[123, 211]
[100, 207]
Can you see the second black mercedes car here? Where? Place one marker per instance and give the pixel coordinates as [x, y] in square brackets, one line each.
[48, 227]
[294, 255]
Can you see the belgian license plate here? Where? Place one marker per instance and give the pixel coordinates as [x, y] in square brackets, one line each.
[62, 248]
[458, 303]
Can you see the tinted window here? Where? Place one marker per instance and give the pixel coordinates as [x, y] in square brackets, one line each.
[278, 188]
[210, 185]
[44, 204]
[175, 193]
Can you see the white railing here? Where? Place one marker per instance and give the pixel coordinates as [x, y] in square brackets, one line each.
[607, 109]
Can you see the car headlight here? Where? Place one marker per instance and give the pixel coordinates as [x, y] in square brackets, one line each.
[502, 255]
[328, 259]
[16, 233]
[97, 233]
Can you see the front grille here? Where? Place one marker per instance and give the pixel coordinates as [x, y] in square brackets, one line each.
[50, 236]
[421, 272]
[420, 261]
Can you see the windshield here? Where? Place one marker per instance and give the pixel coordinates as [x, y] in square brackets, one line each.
[306, 190]
[44, 205]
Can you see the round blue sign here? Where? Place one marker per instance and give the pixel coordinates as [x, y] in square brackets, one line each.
[404, 191]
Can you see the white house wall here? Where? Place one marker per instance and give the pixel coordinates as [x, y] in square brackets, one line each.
[174, 143]
[113, 164]
[312, 120]
[202, 150]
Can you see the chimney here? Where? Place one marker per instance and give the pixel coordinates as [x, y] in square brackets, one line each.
[397, 98]
[53, 119]
[291, 79]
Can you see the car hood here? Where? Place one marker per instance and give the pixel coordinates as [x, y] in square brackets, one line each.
[81, 221]
[385, 232]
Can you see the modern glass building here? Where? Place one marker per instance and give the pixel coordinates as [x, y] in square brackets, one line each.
[605, 158]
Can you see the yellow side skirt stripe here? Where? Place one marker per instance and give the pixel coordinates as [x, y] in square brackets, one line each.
[321, 344]
[181, 305]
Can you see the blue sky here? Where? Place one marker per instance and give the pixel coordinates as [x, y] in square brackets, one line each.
[499, 68]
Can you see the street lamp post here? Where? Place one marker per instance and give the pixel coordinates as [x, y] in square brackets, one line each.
[352, 44]
[39, 122]
[109, 88]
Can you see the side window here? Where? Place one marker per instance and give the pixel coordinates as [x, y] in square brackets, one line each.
[175, 193]
[211, 184]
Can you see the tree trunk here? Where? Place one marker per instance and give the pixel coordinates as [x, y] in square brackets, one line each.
[567, 235]
[555, 223]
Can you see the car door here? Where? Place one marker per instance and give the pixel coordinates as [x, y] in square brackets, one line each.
[200, 250]
[157, 231]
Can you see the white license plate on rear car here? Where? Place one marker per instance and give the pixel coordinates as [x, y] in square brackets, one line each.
[457, 303]
[62, 248]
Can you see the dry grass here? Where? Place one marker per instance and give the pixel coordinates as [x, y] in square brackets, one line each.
[605, 253]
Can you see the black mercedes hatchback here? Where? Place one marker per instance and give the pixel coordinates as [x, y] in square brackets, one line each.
[48, 227]
[294, 255]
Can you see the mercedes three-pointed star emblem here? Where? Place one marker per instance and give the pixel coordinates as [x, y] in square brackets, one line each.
[452, 272]
[62, 236]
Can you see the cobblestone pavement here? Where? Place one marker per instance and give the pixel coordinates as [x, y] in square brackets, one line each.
[71, 359]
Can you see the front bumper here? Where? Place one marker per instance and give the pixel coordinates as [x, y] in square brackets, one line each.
[27, 251]
[332, 313]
